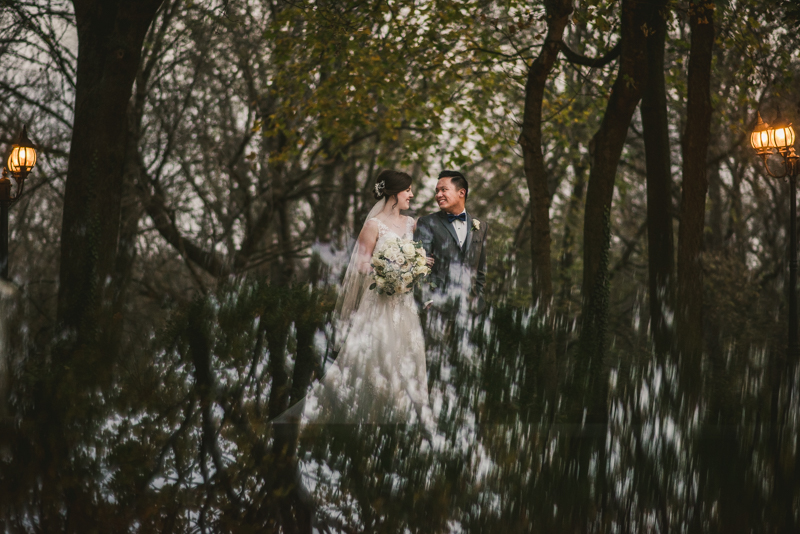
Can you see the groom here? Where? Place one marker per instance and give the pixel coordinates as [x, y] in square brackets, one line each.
[456, 242]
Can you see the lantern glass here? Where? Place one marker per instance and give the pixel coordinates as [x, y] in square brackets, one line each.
[23, 154]
[22, 158]
[782, 137]
[760, 138]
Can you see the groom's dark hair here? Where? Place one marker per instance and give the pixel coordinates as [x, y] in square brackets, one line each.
[458, 181]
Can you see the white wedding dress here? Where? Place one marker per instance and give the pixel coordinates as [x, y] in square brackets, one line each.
[379, 375]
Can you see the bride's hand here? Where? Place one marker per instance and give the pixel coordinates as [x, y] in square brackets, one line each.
[429, 261]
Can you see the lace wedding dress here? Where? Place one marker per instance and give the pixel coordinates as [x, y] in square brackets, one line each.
[379, 375]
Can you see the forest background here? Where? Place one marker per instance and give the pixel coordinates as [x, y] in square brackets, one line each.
[204, 164]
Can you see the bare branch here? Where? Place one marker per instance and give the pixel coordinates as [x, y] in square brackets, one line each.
[602, 61]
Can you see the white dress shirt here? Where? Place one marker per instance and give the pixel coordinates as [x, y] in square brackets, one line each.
[461, 230]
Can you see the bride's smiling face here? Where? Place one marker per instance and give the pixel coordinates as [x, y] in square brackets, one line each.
[404, 199]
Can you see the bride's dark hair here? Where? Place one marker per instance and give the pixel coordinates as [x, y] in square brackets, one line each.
[389, 183]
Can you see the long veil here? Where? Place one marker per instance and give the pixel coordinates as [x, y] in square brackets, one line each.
[354, 285]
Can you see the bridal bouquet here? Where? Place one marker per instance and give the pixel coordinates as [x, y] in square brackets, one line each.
[398, 265]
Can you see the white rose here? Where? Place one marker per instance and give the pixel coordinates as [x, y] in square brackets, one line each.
[407, 278]
[409, 250]
[476, 224]
[420, 270]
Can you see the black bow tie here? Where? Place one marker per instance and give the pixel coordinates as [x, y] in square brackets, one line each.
[461, 217]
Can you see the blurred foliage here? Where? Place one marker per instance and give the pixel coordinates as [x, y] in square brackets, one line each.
[257, 129]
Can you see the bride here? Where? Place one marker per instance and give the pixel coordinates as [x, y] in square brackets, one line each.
[379, 375]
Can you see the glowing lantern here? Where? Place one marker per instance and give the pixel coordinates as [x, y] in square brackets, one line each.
[781, 134]
[760, 138]
[23, 155]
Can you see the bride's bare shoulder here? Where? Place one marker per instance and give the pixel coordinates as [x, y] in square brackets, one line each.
[370, 231]
[374, 224]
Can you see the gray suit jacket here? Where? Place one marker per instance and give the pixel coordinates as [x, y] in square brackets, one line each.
[451, 262]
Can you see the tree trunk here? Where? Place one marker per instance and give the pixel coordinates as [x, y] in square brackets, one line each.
[695, 186]
[714, 238]
[738, 225]
[110, 37]
[571, 222]
[655, 125]
[691, 235]
[605, 149]
[558, 12]
[131, 209]
[606, 145]
[324, 212]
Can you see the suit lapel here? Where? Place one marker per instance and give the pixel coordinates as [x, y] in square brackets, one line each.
[448, 225]
[468, 237]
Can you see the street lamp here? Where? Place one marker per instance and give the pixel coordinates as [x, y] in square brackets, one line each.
[768, 140]
[19, 165]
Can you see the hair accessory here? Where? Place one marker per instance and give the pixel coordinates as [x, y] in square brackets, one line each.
[379, 187]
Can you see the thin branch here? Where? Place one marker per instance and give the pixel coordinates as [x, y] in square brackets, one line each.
[602, 61]
[4, 86]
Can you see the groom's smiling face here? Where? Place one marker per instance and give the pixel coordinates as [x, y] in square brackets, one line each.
[449, 197]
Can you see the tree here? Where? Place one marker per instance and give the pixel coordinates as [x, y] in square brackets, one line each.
[557, 14]
[694, 188]
[655, 130]
[605, 150]
[110, 37]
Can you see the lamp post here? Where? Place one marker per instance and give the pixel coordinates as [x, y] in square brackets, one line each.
[768, 140]
[19, 165]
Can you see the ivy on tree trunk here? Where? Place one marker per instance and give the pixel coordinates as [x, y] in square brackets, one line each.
[606, 145]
